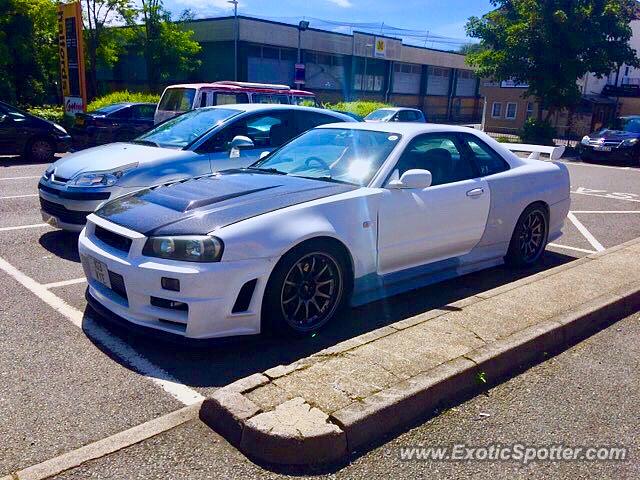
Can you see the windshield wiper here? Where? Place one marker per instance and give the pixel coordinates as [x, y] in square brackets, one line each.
[328, 179]
[145, 142]
[268, 170]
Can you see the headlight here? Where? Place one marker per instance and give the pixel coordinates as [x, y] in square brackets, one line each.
[585, 140]
[100, 179]
[60, 129]
[629, 142]
[188, 248]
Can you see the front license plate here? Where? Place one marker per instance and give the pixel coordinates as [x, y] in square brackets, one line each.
[603, 149]
[99, 271]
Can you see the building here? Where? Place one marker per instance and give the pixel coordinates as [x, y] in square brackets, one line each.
[337, 66]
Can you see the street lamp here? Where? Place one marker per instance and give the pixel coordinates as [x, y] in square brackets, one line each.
[364, 77]
[302, 26]
[235, 38]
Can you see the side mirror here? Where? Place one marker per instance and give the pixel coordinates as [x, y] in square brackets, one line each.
[264, 154]
[241, 142]
[414, 179]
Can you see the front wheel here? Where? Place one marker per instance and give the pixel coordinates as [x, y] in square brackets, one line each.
[306, 289]
[41, 150]
[529, 238]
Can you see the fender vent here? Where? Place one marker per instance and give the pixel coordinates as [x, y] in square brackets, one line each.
[244, 297]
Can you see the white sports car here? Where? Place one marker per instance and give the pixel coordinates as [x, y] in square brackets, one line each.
[343, 213]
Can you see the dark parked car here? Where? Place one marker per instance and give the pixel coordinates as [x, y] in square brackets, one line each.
[119, 122]
[24, 134]
[620, 143]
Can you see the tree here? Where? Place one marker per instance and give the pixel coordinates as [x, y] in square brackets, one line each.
[550, 44]
[29, 69]
[167, 47]
[104, 43]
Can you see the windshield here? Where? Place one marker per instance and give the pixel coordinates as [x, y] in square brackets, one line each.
[380, 115]
[184, 129]
[109, 108]
[177, 99]
[333, 154]
[629, 124]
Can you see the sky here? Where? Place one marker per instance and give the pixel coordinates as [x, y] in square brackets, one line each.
[438, 17]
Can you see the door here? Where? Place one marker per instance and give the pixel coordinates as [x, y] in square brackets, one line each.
[8, 138]
[443, 221]
[266, 130]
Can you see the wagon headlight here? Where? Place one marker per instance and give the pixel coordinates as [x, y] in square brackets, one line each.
[185, 248]
[629, 142]
[585, 140]
[100, 179]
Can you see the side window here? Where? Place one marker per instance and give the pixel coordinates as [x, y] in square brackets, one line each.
[203, 99]
[308, 120]
[440, 155]
[402, 116]
[143, 112]
[122, 114]
[487, 161]
[265, 130]
[231, 98]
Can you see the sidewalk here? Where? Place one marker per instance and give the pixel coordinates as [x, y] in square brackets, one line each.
[321, 407]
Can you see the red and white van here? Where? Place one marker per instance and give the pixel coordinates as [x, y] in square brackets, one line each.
[178, 99]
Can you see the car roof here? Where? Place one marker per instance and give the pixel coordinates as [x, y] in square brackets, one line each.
[402, 128]
[263, 107]
[397, 109]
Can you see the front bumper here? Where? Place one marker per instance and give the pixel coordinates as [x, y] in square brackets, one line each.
[210, 291]
[589, 152]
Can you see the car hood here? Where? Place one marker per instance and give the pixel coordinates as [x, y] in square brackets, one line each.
[613, 135]
[200, 205]
[113, 156]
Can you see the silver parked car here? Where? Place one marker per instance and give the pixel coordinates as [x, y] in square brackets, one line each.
[195, 143]
[396, 114]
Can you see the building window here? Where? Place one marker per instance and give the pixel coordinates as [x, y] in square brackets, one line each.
[324, 71]
[529, 110]
[406, 78]
[512, 111]
[496, 110]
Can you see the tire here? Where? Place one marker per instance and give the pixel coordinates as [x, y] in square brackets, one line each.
[306, 289]
[41, 150]
[529, 238]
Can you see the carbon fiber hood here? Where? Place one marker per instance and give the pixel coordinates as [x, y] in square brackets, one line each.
[200, 205]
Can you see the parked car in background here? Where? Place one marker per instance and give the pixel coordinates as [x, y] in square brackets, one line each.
[617, 144]
[114, 123]
[35, 138]
[399, 114]
[355, 116]
[177, 99]
[344, 212]
[195, 143]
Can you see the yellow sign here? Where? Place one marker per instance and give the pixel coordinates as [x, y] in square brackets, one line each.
[71, 53]
[381, 48]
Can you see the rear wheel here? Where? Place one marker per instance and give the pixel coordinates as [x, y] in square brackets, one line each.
[41, 150]
[306, 289]
[529, 238]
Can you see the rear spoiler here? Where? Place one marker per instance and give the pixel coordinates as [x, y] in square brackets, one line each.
[555, 153]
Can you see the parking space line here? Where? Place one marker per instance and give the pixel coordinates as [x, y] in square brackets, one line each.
[581, 164]
[567, 247]
[585, 233]
[19, 178]
[64, 283]
[113, 344]
[20, 227]
[106, 446]
[606, 195]
[605, 211]
[19, 196]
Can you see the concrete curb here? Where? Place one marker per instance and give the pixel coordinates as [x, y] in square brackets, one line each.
[297, 433]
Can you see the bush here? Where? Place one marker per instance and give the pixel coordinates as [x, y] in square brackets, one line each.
[360, 107]
[120, 97]
[55, 113]
[537, 132]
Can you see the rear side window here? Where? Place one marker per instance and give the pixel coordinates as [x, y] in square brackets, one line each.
[231, 98]
[308, 120]
[485, 158]
[177, 99]
[144, 112]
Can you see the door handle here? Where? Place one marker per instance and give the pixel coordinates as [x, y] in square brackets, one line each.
[476, 192]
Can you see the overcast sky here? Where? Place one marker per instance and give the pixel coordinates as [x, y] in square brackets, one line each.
[439, 17]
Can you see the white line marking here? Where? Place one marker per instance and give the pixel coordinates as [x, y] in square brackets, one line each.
[64, 283]
[122, 350]
[585, 233]
[108, 445]
[20, 227]
[19, 178]
[19, 196]
[580, 164]
[605, 211]
[607, 196]
[567, 247]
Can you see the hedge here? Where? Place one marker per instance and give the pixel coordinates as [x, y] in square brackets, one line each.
[121, 97]
[359, 107]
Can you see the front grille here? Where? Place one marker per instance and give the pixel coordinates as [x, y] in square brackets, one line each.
[113, 239]
[606, 143]
[62, 213]
[74, 195]
[117, 284]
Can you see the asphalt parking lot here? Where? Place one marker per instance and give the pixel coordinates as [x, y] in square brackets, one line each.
[69, 380]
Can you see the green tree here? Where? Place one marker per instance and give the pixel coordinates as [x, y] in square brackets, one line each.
[28, 51]
[550, 44]
[168, 48]
[103, 42]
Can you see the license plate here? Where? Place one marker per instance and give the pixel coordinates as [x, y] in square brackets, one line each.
[603, 149]
[99, 271]
[79, 121]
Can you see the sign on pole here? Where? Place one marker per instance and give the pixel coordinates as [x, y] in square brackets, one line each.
[299, 74]
[71, 53]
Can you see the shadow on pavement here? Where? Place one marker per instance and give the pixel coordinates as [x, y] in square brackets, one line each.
[220, 364]
[61, 243]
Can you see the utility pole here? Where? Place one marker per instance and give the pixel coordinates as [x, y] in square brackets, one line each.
[235, 38]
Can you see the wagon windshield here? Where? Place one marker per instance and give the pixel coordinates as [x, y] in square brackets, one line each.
[333, 154]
